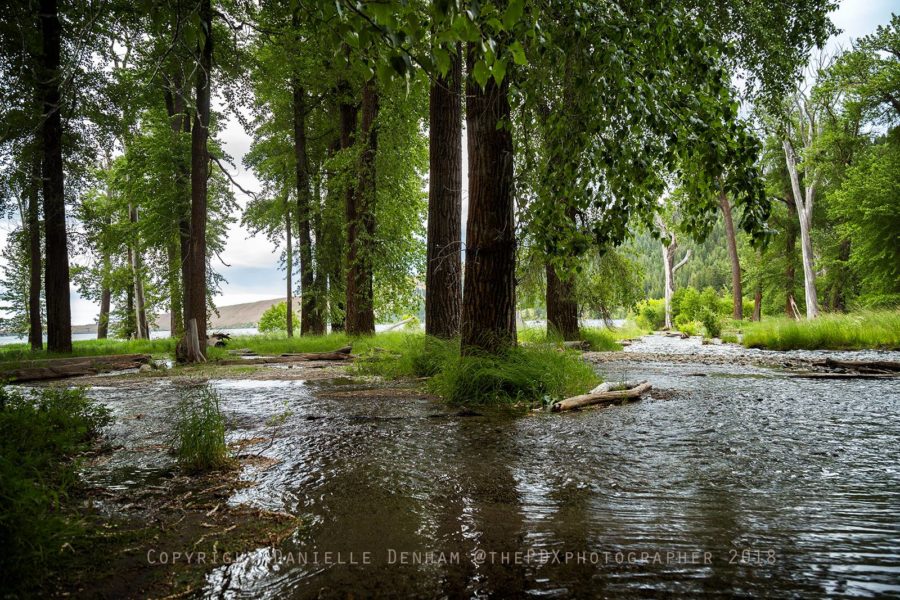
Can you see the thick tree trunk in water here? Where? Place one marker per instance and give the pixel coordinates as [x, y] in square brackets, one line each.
[562, 309]
[489, 295]
[59, 316]
[196, 284]
[310, 315]
[35, 326]
[443, 279]
[736, 289]
[804, 212]
[361, 223]
[289, 268]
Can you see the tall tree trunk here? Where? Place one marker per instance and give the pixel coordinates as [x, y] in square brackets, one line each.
[790, 269]
[173, 260]
[443, 279]
[310, 315]
[804, 212]
[737, 292]
[562, 309]
[489, 295]
[670, 267]
[289, 268]
[338, 279]
[196, 284]
[143, 329]
[59, 316]
[757, 303]
[103, 319]
[361, 223]
[129, 328]
[35, 326]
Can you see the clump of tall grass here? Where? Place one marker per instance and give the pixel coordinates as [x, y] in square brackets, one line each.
[42, 435]
[599, 339]
[199, 431]
[530, 374]
[161, 346]
[874, 329]
[417, 356]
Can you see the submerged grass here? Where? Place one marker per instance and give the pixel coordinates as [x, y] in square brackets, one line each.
[199, 432]
[873, 329]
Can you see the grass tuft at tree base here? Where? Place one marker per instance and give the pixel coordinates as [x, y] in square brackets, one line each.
[866, 330]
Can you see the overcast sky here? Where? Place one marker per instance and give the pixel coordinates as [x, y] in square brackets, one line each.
[252, 270]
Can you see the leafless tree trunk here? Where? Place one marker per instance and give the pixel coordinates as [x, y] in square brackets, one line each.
[670, 266]
[804, 199]
[736, 289]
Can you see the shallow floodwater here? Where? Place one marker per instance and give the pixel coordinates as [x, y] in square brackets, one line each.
[732, 481]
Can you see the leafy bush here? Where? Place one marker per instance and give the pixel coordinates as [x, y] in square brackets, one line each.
[41, 436]
[686, 325]
[523, 374]
[199, 431]
[273, 319]
[651, 314]
[712, 323]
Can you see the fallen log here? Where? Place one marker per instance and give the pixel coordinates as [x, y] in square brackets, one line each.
[61, 368]
[290, 358]
[602, 395]
[577, 345]
[871, 365]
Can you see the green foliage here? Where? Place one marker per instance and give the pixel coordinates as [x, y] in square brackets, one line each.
[157, 347]
[600, 340]
[531, 374]
[417, 356]
[273, 319]
[199, 431]
[874, 329]
[650, 314]
[42, 434]
[712, 322]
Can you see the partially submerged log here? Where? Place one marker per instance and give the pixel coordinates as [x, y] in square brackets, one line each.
[604, 394]
[288, 358]
[60, 368]
[870, 366]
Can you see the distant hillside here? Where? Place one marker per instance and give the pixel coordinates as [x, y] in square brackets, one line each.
[236, 316]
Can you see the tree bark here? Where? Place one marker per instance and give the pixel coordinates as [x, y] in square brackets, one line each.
[199, 175]
[59, 316]
[361, 223]
[790, 269]
[289, 268]
[337, 278]
[804, 212]
[103, 319]
[443, 278]
[143, 329]
[562, 309]
[736, 288]
[35, 325]
[757, 304]
[670, 268]
[489, 294]
[310, 315]
[179, 251]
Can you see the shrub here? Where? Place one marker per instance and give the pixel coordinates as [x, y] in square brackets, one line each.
[686, 302]
[199, 431]
[273, 319]
[686, 325]
[651, 313]
[712, 322]
[41, 436]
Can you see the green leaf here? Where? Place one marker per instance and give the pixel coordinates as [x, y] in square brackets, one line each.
[442, 59]
[513, 13]
[499, 71]
[518, 53]
[481, 73]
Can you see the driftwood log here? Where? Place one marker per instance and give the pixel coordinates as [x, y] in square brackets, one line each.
[604, 394]
[60, 368]
[577, 345]
[863, 366]
[339, 354]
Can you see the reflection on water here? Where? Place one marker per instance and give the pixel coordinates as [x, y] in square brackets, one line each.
[745, 485]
